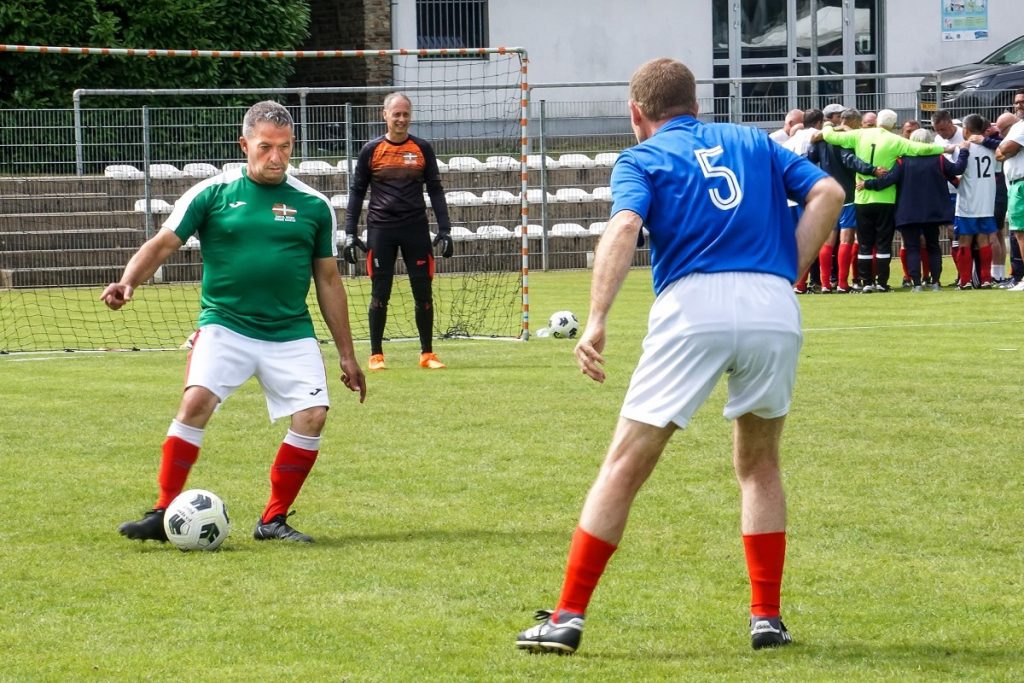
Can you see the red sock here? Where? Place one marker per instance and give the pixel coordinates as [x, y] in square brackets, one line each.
[964, 265]
[588, 556]
[802, 283]
[903, 262]
[925, 270]
[845, 259]
[175, 464]
[985, 255]
[766, 554]
[825, 264]
[287, 476]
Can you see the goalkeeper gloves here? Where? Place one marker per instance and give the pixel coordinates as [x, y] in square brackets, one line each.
[444, 238]
[351, 244]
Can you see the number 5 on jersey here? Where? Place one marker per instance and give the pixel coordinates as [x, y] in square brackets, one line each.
[735, 194]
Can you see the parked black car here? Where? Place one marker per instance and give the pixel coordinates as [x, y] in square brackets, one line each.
[984, 88]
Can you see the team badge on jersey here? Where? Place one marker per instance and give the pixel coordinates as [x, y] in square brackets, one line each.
[283, 212]
[410, 159]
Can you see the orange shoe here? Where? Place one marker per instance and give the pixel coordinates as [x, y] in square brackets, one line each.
[431, 361]
[377, 362]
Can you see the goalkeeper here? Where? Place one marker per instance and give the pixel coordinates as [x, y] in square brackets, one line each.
[395, 167]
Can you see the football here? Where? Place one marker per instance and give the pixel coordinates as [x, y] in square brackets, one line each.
[564, 325]
[197, 520]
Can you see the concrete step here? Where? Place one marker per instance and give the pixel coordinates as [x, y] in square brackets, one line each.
[72, 239]
[96, 220]
[83, 258]
[30, 204]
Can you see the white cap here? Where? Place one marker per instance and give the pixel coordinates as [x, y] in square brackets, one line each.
[832, 109]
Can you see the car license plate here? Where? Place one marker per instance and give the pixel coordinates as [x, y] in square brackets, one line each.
[927, 106]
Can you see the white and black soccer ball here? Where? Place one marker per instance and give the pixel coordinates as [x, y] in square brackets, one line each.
[197, 520]
[564, 325]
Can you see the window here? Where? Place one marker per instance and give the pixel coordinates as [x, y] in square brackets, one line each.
[451, 24]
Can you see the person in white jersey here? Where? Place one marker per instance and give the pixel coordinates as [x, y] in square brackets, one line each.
[1009, 152]
[264, 236]
[976, 207]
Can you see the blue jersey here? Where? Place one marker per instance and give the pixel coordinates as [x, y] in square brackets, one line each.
[713, 197]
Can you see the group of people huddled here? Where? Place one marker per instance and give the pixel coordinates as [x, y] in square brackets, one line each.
[960, 177]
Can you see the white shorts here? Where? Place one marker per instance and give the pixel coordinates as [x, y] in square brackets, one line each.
[746, 325]
[291, 373]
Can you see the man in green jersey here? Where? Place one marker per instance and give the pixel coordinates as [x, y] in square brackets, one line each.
[880, 147]
[264, 235]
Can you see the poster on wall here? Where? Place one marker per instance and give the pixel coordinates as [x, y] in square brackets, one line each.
[964, 20]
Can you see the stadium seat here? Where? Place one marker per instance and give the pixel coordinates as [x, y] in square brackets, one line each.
[462, 234]
[575, 161]
[191, 243]
[533, 162]
[502, 163]
[573, 195]
[532, 230]
[123, 172]
[462, 198]
[164, 171]
[568, 230]
[442, 167]
[232, 166]
[602, 194]
[339, 201]
[493, 232]
[155, 206]
[466, 164]
[606, 159]
[498, 197]
[316, 167]
[199, 170]
[343, 165]
[535, 195]
[597, 228]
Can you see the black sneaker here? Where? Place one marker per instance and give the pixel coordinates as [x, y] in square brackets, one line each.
[149, 528]
[561, 637]
[768, 632]
[277, 528]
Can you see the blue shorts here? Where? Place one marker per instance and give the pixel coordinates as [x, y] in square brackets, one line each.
[848, 217]
[975, 226]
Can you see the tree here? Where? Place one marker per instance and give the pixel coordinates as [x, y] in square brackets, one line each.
[37, 81]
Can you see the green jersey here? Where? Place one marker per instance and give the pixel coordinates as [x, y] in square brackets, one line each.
[258, 244]
[880, 148]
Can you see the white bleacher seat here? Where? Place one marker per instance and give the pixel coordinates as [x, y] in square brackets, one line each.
[568, 230]
[191, 243]
[532, 230]
[122, 172]
[597, 228]
[199, 170]
[155, 206]
[462, 234]
[232, 166]
[533, 162]
[493, 232]
[606, 159]
[339, 201]
[535, 195]
[502, 163]
[498, 197]
[573, 195]
[316, 167]
[343, 165]
[442, 167]
[462, 198]
[575, 161]
[164, 171]
[465, 164]
[602, 194]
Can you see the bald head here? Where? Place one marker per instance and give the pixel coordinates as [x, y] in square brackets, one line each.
[869, 119]
[795, 117]
[1004, 122]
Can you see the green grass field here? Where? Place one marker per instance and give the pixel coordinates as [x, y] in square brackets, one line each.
[443, 507]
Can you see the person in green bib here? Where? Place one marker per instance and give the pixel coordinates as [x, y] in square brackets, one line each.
[880, 147]
[264, 236]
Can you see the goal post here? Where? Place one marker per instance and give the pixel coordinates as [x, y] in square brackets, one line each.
[92, 184]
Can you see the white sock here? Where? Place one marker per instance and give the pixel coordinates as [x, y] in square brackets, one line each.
[192, 435]
[308, 443]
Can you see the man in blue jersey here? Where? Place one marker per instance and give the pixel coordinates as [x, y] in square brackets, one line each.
[724, 254]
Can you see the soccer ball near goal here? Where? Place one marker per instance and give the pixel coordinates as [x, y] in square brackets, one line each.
[564, 325]
[197, 520]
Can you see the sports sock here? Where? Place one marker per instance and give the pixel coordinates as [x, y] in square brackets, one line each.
[985, 254]
[903, 262]
[964, 265]
[179, 454]
[588, 556]
[766, 555]
[378, 318]
[845, 259]
[294, 460]
[825, 263]
[425, 325]
[854, 261]
[802, 283]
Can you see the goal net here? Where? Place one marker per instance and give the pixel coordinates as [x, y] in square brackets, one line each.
[81, 189]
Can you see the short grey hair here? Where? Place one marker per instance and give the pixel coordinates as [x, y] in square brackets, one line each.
[850, 114]
[391, 97]
[887, 118]
[266, 111]
[922, 135]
